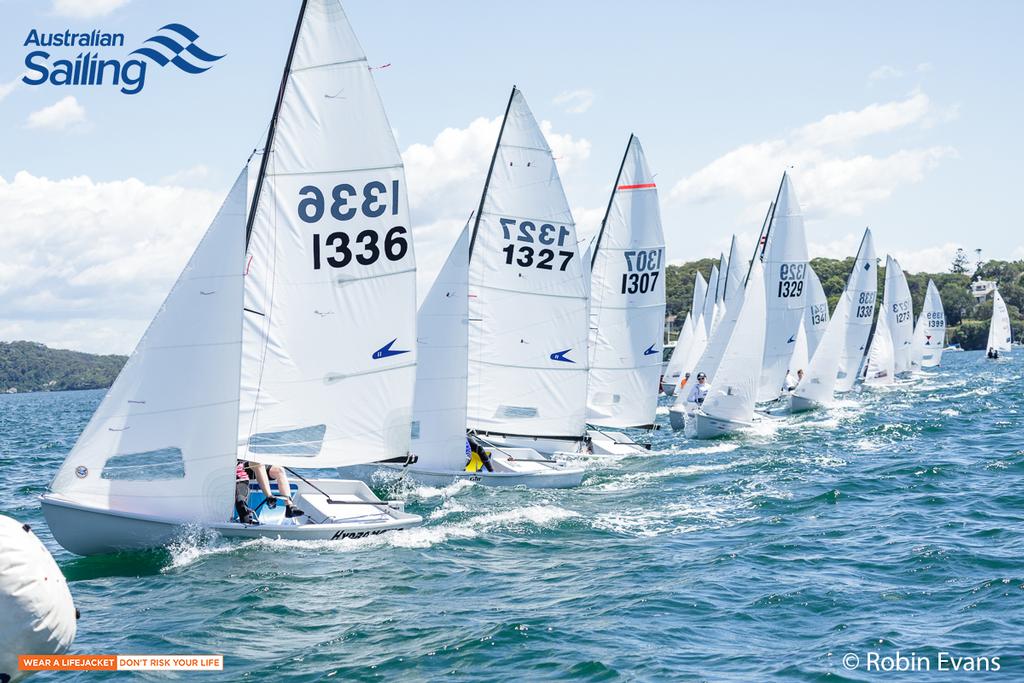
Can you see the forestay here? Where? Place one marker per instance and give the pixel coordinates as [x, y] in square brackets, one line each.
[785, 269]
[999, 332]
[899, 311]
[861, 290]
[930, 331]
[734, 391]
[627, 305]
[135, 456]
[329, 339]
[528, 293]
[442, 341]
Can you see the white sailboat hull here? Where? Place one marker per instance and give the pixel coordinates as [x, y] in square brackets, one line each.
[799, 404]
[705, 426]
[677, 418]
[544, 445]
[534, 475]
[86, 530]
[669, 388]
[604, 442]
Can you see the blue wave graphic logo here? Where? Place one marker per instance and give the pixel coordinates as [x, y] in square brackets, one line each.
[183, 51]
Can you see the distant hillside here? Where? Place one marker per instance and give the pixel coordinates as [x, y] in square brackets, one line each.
[30, 366]
[968, 321]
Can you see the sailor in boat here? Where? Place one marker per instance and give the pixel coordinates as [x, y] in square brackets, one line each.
[792, 382]
[477, 457]
[248, 470]
[699, 391]
[993, 354]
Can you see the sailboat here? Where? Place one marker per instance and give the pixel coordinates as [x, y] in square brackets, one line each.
[785, 270]
[729, 405]
[283, 341]
[862, 290]
[1000, 335]
[692, 339]
[529, 299]
[731, 294]
[880, 367]
[929, 332]
[849, 325]
[899, 311]
[627, 309]
[439, 403]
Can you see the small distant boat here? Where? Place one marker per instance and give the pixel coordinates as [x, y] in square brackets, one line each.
[953, 348]
[898, 309]
[929, 332]
[627, 310]
[1000, 334]
[273, 346]
[880, 368]
[693, 339]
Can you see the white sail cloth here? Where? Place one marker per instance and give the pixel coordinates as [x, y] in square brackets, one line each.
[330, 325]
[627, 304]
[734, 391]
[930, 331]
[677, 359]
[785, 270]
[695, 335]
[861, 290]
[815, 313]
[529, 293]
[899, 311]
[134, 456]
[439, 401]
[881, 363]
[1000, 336]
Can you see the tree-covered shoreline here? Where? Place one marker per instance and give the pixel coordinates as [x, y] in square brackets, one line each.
[31, 366]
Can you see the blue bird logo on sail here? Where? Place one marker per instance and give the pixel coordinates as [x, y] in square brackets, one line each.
[183, 51]
[649, 351]
[560, 355]
[386, 351]
[792, 339]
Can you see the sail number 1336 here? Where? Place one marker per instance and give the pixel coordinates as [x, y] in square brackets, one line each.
[339, 248]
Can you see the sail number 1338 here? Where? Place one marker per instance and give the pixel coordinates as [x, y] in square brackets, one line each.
[345, 202]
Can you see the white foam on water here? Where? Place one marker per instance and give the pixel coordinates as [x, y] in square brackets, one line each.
[714, 448]
[949, 412]
[661, 410]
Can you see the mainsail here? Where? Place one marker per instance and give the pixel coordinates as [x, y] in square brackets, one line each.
[816, 312]
[785, 269]
[734, 391]
[930, 331]
[861, 290]
[730, 309]
[134, 455]
[881, 363]
[528, 293]
[627, 305]
[329, 341]
[899, 311]
[692, 339]
[1000, 336]
[442, 340]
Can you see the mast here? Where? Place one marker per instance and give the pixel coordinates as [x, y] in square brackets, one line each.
[490, 171]
[771, 220]
[762, 236]
[611, 199]
[273, 126]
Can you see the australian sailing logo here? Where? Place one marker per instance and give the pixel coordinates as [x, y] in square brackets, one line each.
[173, 44]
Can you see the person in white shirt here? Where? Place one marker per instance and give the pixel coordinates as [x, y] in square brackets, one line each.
[699, 391]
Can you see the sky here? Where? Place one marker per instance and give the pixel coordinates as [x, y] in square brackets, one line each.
[900, 116]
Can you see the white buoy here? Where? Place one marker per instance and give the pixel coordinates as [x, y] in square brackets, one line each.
[37, 614]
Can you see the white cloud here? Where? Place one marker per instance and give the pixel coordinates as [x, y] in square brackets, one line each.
[87, 263]
[935, 259]
[86, 9]
[198, 174]
[575, 101]
[833, 178]
[923, 67]
[58, 116]
[884, 72]
[446, 176]
[9, 87]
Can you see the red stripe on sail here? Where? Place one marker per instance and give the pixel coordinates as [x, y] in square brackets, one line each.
[644, 186]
